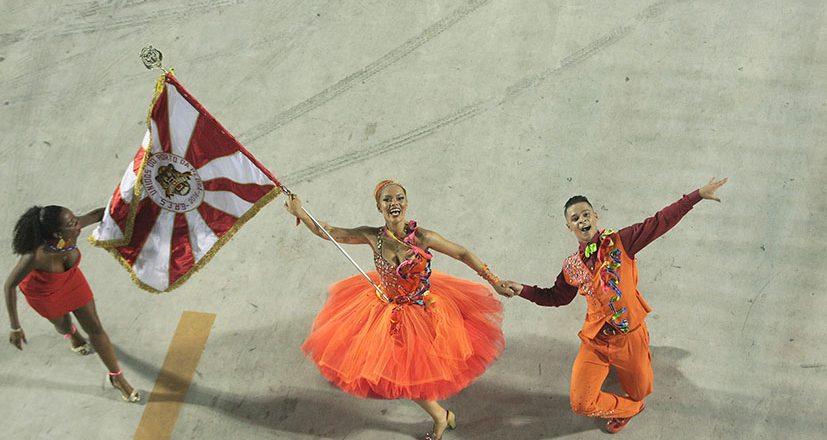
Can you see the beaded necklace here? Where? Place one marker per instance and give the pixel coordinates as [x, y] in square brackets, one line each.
[60, 250]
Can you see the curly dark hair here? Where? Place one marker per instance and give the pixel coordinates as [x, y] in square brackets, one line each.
[573, 200]
[35, 225]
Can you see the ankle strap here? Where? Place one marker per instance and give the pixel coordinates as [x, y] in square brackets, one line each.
[117, 373]
[72, 333]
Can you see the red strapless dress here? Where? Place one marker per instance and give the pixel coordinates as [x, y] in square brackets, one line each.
[430, 337]
[54, 294]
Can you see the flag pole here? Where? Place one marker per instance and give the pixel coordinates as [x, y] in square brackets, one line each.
[341, 249]
[152, 58]
[329, 237]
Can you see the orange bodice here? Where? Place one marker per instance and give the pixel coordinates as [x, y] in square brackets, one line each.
[407, 282]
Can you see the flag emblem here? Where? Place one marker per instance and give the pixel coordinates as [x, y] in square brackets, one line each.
[170, 188]
[189, 188]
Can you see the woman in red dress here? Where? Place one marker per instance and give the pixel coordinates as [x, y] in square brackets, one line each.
[50, 279]
[426, 336]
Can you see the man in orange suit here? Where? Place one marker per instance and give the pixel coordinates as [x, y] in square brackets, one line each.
[614, 334]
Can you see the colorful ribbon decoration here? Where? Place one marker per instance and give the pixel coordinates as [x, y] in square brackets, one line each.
[609, 254]
[404, 271]
[590, 249]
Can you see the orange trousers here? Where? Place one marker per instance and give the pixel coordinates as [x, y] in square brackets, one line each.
[629, 355]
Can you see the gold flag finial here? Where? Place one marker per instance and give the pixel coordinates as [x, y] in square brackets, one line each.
[152, 57]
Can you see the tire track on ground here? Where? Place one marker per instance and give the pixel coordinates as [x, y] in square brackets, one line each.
[387, 145]
[296, 29]
[94, 18]
[573, 59]
[22, 80]
[109, 23]
[366, 72]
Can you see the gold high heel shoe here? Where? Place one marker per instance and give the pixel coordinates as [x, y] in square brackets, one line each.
[83, 349]
[133, 397]
[451, 419]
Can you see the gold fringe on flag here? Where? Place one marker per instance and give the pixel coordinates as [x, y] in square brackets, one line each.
[267, 198]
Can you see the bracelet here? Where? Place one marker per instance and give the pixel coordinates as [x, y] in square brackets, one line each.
[486, 274]
[16, 330]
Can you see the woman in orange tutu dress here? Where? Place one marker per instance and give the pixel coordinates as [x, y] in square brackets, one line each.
[426, 336]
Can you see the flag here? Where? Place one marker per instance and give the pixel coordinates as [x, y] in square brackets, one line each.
[189, 188]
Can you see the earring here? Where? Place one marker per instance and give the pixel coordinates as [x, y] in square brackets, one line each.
[61, 244]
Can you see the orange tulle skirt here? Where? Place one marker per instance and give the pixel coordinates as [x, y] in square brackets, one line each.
[373, 349]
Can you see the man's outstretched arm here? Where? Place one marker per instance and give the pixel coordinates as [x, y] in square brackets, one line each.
[639, 235]
[558, 295]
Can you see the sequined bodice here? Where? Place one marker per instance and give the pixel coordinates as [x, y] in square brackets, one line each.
[406, 280]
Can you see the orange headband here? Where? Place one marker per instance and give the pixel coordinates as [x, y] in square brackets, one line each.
[381, 185]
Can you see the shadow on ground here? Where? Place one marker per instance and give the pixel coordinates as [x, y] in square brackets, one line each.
[507, 402]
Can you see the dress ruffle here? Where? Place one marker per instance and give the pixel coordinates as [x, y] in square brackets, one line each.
[372, 349]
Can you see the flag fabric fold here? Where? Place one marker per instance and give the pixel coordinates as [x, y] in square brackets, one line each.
[189, 188]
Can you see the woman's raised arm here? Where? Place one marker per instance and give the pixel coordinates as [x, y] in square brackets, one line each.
[358, 235]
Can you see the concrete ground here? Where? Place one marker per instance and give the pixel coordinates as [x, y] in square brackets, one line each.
[492, 113]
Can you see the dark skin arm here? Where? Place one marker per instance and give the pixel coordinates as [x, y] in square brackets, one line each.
[25, 265]
[93, 216]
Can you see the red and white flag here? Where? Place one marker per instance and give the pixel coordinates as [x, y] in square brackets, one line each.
[189, 188]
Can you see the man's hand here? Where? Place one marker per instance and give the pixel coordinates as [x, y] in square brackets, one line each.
[502, 289]
[516, 288]
[509, 288]
[708, 191]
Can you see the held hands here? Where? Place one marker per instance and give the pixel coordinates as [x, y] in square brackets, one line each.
[708, 191]
[17, 338]
[508, 288]
[501, 289]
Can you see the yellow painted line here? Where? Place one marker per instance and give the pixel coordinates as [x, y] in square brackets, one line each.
[164, 404]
